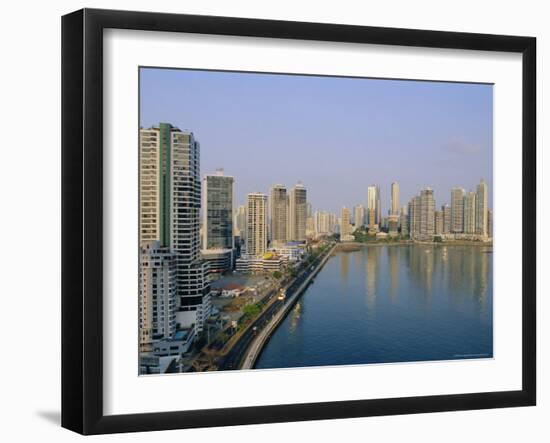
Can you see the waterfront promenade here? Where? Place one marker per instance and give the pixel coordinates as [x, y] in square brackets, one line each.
[262, 338]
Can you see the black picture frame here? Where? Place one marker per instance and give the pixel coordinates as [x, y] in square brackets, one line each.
[82, 219]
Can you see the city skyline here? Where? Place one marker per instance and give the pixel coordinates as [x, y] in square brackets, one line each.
[463, 137]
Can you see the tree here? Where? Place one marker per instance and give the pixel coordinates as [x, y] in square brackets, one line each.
[277, 275]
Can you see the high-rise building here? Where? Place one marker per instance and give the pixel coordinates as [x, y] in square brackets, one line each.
[457, 210]
[218, 230]
[240, 222]
[345, 225]
[256, 226]
[393, 224]
[489, 223]
[193, 289]
[152, 184]
[446, 210]
[481, 208]
[322, 223]
[218, 211]
[427, 209]
[414, 217]
[470, 213]
[157, 293]
[438, 222]
[278, 206]
[404, 221]
[394, 198]
[332, 222]
[373, 226]
[170, 213]
[359, 216]
[310, 227]
[310, 223]
[298, 212]
[373, 202]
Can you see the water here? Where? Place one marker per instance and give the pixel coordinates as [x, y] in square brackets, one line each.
[385, 304]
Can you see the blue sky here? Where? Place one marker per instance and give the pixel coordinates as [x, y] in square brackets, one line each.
[336, 135]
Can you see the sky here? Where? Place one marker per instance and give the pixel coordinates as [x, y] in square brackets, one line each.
[336, 135]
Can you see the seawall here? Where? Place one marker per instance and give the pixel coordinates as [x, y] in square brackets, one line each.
[263, 337]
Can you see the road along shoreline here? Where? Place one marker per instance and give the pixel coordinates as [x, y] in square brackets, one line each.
[261, 340]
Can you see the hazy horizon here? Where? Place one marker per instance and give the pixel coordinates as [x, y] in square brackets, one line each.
[336, 135]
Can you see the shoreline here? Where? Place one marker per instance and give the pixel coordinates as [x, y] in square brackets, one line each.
[257, 346]
[356, 246]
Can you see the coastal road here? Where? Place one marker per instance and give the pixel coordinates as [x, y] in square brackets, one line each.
[235, 356]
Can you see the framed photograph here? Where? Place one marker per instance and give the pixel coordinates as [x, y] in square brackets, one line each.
[268, 221]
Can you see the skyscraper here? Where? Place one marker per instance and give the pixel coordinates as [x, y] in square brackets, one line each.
[278, 205]
[438, 222]
[218, 211]
[359, 216]
[373, 202]
[193, 289]
[240, 222]
[446, 210]
[322, 223]
[393, 224]
[345, 225]
[373, 226]
[170, 201]
[310, 224]
[256, 226]
[481, 208]
[470, 213]
[414, 217]
[394, 198]
[157, 293]
[298, 212]
[457, 210]
[151, 186]
[427, 209]
[404, 221]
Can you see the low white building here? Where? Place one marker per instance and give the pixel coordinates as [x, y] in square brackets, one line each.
[290, 252]
[176, 347]
[253, 264]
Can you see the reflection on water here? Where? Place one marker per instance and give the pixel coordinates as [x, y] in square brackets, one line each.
[394, 303]
[370, 275]
[344, 269]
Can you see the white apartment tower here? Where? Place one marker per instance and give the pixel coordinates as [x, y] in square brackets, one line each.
[360, 216]
[481, 209]
[256, 224]
[394, 198]
[170, 202]
[322, 223]
[157, 293]
[373, 203]
[240, 222]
